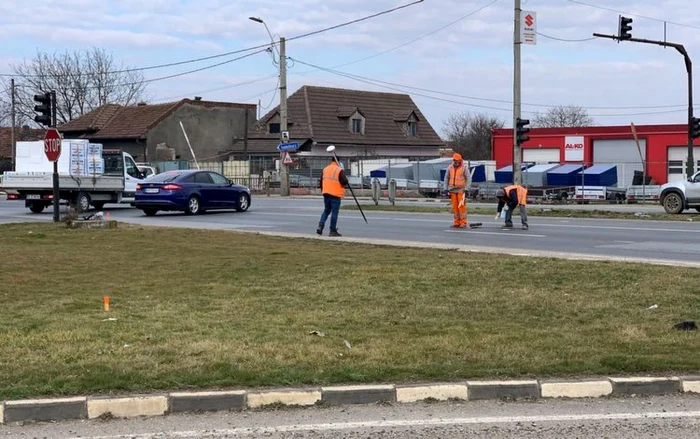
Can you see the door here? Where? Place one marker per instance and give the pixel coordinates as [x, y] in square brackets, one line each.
[226, 196]
[677, 160]
[693, 191]
[207, 190]
[623, 154]
[131, 178]
[541, 155]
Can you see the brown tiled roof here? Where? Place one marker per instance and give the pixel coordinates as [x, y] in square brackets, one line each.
[320, 113]
[132, 122]
[92, 121]
[22, 134]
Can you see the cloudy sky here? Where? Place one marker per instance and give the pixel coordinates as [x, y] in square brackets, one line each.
[457, 55]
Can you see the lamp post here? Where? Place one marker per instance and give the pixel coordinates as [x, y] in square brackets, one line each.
[282, 54]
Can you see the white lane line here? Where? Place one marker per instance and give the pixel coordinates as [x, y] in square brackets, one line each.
[486, 420]
[504, 233]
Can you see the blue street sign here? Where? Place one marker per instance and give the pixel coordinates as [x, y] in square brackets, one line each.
[288, 146]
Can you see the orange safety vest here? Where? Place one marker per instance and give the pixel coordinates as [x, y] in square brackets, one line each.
[521, 191]
[456, 180]
[331, 180]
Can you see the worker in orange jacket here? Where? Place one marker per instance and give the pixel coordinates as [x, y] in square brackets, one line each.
[509, 198]
[333, 184]
[456, 181]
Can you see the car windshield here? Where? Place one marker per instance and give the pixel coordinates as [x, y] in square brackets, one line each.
[166, 177]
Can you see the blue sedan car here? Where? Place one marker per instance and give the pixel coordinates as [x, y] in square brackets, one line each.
[192, 192]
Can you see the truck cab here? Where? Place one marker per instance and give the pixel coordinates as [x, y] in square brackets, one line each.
[678, 196]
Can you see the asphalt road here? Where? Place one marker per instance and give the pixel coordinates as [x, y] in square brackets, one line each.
[676, 417]
[658, 240]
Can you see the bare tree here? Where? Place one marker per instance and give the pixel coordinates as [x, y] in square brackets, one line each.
[470, 134]
[83, 81]
[563, 116]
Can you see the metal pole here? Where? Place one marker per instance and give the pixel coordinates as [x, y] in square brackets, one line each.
[284, 175]
[56, 192]
[690, 167]
[517, 175]
[13, 116]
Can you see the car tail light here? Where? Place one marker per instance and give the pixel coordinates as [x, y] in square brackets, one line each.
[631, 197]
[172, 187]
[138, 187]
[48, 197]
[12, 196]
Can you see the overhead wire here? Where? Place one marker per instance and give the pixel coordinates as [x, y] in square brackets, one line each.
[579, 2]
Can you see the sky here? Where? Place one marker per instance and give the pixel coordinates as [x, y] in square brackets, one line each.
[455, 55]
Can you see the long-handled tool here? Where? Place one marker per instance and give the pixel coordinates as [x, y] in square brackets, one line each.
[331, 149]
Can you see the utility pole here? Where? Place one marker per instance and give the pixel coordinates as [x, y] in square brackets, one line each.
[13, 143]
[284, 175]
[517, 156]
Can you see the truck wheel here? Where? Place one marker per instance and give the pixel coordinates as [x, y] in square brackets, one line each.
[193, 206]
[673, 203]
[98, 205]
[37, 207]
[82, 202]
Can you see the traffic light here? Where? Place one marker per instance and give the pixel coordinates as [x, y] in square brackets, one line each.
[695, 128]
[44, 108]
[521, 131]
[625, 28]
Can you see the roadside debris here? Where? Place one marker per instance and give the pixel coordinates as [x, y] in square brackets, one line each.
[653, 307]
[686, 326]
[318, 333]
[111, 319]
[347, 344]
[640, 214]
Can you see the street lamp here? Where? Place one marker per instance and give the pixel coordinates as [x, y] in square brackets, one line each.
[282, 54]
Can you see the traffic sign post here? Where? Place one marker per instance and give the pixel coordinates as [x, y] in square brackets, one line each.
[292, 146]
[52, 150]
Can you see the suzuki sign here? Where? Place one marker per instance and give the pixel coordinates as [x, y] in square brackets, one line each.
[573, 149]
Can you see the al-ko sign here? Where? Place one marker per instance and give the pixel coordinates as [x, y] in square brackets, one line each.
[573, 149]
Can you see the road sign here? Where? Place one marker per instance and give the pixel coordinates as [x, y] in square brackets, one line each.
[292, 146]
[52, 145]
[528, 27]
[287, 160]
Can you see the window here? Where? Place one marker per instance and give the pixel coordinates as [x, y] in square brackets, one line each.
[274, 128]
[202, 178]
[412, 128]
[166, 177]
[357, 126]
[131, 168]
[218, 178]
[675, 167]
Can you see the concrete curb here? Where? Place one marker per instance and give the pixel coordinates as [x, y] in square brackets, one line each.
[61, 409]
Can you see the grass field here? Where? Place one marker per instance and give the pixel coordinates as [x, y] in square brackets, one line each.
[213, 309]
[551, 212]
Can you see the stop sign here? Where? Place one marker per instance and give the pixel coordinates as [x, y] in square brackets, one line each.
[52, 144]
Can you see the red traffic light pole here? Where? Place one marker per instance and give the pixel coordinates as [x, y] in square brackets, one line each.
[688, 67]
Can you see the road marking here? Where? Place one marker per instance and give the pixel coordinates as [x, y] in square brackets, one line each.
[487, 420]
[504, 233]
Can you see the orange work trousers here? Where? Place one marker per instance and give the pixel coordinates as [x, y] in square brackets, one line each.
[459, 212]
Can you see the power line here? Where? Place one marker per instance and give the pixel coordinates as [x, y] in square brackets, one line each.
[634, 15]
[503, 101]
[566, 40]
[235, 52]
[402, 88]
[225, 87]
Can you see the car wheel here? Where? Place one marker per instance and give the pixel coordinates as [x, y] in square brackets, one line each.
[98, 205]
[698, 209]
[193, 206]
[37, 207]
[673, 203]
[150, 212]
[243, 203]
[82, 202]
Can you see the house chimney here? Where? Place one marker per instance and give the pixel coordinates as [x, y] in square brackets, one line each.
[197, 98]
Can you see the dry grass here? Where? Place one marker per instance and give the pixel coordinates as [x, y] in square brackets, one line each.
[551, 212]
[219, 309]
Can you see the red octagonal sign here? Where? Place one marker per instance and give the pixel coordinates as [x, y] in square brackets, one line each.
[52, 144]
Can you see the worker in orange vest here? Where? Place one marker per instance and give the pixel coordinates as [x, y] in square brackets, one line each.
[509, 198]
[456, 181]
[333, 182]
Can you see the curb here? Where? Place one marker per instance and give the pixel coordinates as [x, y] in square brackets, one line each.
[61, 409]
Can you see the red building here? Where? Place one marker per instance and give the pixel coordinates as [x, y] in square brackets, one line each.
[664, 148]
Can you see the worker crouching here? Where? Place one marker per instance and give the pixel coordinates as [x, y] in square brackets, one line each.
[508, 199]
[456, 181]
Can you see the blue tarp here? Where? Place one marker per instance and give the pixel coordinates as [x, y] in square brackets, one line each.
[537, 175]
[479, 175]
[564, 175]
[505, 174]
[598, 175]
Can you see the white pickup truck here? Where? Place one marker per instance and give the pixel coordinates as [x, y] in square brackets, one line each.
[680, 195]
[113, 180]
